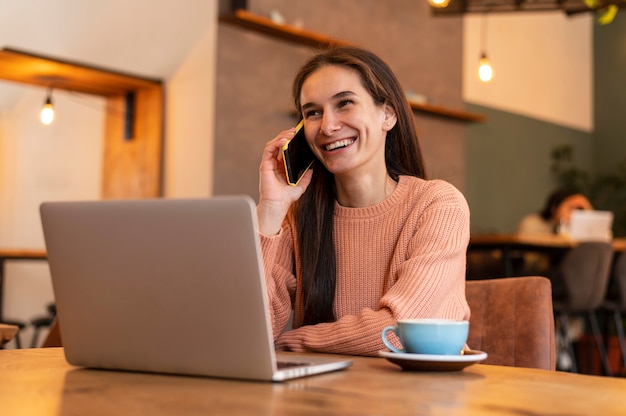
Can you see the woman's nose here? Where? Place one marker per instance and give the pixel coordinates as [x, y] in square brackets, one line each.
[329, 125]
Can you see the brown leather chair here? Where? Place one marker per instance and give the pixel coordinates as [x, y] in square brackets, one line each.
[512, 321]
[53, 339]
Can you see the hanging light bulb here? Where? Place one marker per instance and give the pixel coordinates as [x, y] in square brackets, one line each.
[47, 111]
[485, 71]
[440, 4]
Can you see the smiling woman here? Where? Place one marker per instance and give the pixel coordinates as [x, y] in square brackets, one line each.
[364, 239]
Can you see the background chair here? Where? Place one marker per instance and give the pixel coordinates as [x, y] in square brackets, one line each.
[53, 339]
[615, 304]
[512, 321]
[42, 322]
[584, 273]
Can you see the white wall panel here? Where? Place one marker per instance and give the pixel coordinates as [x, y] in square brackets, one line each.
[543, 65]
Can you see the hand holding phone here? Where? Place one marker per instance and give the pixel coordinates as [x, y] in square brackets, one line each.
[297, 155]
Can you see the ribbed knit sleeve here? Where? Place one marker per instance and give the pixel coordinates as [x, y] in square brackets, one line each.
[402, 258]
[279, 275]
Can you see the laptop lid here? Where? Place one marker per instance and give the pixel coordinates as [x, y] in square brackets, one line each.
[164, 285]
[591, 225]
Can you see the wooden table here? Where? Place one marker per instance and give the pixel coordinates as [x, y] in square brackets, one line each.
[542, 242]
[39, 382]
[508, 243]
[15, 254]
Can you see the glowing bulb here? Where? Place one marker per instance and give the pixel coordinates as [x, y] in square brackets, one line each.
[485, 71]
[439, 3]
[47, 112]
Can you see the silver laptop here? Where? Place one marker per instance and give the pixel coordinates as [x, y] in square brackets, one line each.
[166, 285]
[591, 225]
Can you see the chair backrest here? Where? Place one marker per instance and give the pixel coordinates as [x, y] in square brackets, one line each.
[585, 272]
[53, 339]
[619, 280]
[512, 321]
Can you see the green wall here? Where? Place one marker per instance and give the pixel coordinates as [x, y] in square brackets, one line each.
[508, 166]
[610, 93]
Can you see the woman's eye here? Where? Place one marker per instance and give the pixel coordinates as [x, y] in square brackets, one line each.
[311, 113]
[344, 103]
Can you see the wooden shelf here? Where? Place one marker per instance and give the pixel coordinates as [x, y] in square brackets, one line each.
[250, 21]
[447, 112]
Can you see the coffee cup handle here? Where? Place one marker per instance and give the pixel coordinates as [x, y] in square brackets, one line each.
[386, 342]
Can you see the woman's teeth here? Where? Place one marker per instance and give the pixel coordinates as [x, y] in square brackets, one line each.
[340, 143]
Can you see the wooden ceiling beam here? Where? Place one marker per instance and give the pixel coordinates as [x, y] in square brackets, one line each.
[33, 69]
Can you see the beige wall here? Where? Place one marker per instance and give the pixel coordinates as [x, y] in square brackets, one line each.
[543, 66]
[40, 163]
[190, 120]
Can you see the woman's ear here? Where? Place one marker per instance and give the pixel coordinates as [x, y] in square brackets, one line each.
[390, 118]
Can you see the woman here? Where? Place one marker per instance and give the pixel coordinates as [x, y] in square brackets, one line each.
[552, 221]
[555, 215]
[363, 240]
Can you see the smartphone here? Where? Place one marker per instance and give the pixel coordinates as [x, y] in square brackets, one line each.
[297, 155]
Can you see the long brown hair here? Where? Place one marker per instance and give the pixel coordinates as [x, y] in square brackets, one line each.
[314, 210]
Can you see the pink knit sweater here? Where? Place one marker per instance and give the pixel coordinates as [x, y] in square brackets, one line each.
[402, 258]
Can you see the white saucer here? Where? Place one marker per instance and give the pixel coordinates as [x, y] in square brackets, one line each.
[427, 362]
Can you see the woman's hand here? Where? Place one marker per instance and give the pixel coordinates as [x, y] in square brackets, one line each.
[564, 210]
[276, 195]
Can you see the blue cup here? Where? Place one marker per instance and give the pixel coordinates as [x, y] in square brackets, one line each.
[428, 336]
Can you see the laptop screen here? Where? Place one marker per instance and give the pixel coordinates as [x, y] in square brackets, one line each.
[592, 225]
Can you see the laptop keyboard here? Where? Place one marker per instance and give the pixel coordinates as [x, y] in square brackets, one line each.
[289, 364]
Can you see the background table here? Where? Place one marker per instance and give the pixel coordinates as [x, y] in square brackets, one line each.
[15, 254]
[38, 382]
[7, 332]
[509, 243]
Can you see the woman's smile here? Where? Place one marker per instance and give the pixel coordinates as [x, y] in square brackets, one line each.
[339, 144]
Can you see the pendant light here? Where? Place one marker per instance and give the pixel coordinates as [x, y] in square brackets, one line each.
[439, 4]
[47, 111]
[485, 70]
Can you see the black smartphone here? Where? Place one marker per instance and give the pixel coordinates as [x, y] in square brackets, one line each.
[297, 155]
